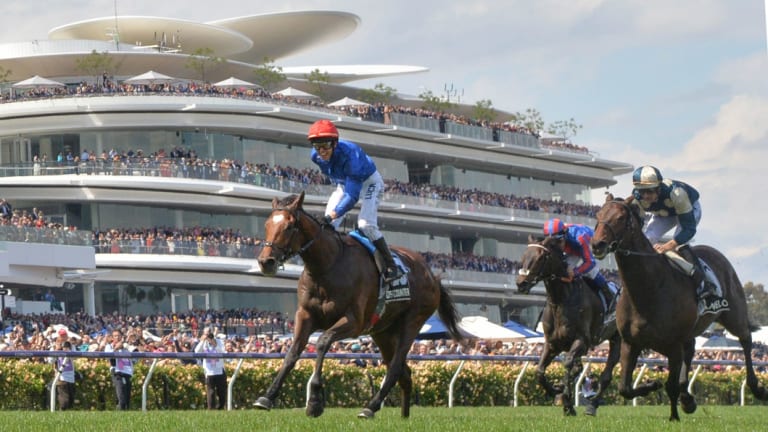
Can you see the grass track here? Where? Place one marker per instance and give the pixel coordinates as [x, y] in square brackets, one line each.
[463, 419]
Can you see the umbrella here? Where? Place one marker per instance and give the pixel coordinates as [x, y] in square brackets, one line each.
[295, 93]
[36, 82]
[233, 82]
[516, 326]
[346, 101]
[433, 329]
[150, 78]
[717, 343]
[479, 327]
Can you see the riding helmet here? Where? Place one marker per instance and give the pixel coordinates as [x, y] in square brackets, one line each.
[646, 177]
[323, 129]
[555, 228]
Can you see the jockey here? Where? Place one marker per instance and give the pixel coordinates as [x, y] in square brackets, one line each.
[673, 204]
[347, 165]
[574, 242]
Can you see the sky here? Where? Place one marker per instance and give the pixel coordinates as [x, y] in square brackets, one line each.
[679, 85]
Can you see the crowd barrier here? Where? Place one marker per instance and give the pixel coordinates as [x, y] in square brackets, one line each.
[461, 358]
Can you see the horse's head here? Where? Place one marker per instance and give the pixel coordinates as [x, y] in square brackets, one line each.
[616, 221]
[542, 259]
[283, 236]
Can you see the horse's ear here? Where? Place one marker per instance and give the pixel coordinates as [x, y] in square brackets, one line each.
[630, 199]
[608, 197]
[275, 203]
[531, 239]
[300, 200]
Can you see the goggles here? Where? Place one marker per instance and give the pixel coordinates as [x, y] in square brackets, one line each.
[323, 145]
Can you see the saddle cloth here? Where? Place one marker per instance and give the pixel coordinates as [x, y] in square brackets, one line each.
[397, 290]
[688, 268]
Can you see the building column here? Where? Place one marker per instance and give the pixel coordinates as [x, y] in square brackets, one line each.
[89, 298]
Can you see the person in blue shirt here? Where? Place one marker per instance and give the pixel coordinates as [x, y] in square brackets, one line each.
[575, 243]
[674, 204]
[356, 179]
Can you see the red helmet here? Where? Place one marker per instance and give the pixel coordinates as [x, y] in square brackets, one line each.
[555, 228]
[323, 129]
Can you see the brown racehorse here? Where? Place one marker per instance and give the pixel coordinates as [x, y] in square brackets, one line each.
[572, 321]
[338, 292]
[658, 307]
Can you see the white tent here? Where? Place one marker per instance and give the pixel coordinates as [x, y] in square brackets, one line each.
[717, 343]
[233, 82]
[479, 327]
[346, 101]
[150, 78]
[36, 82]
[295, 93]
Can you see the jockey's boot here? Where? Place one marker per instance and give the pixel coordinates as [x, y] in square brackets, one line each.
[391, 271]
[698, 274]
[602, 285]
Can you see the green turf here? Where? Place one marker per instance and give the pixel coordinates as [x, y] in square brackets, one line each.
[463, 419]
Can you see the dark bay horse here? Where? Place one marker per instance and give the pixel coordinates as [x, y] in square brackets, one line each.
[338, 292]
[572, 321]
[658, 307]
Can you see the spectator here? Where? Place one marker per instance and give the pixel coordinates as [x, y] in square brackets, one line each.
[215, 377]
[65, 386]
[121, 369]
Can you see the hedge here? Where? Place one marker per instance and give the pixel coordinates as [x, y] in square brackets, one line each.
[23, 385]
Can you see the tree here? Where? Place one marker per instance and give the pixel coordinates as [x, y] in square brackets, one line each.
[203, 60]
[434, 103]
[564, 128]
[318, 80]
[484, 110]
[4, 74]
[95, 64]
[268, 76]
[757, 303]
[530, 119]
[378, 94]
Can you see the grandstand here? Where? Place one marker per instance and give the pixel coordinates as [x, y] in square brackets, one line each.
[101, 154]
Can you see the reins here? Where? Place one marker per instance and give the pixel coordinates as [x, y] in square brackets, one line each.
[289, 253]
[615, 245]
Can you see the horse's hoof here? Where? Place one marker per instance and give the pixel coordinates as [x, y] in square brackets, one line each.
[569, 412]
[263, 403]
[366, 413]
[688, 403]
[314, 410]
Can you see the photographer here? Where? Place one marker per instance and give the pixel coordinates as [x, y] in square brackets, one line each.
[65, 386]
[122, 369]
[215, 378]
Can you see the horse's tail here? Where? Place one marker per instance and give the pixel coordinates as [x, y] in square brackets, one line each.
[448, 313]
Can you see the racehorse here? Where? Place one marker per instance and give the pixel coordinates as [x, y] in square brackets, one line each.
[658, 307]
[572, 321]
[338, 292]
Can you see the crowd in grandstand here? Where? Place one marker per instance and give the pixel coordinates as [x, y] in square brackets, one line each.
[255, 331]
[378, 112]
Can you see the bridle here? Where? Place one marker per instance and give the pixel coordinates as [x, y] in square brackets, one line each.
[615, 245]
[538, 277]
[286, 252]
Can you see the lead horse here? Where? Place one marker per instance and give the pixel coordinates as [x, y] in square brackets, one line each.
[338, 292]
[658, 307]
[572, 320]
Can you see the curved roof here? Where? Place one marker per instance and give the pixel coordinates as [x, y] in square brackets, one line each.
[339, 74]
[278, 35]
[188, 36]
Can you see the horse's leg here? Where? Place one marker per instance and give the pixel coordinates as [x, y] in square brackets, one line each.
[736, 322]
[572, 366]
[629, 354]
[606, 375]
[302, 331]
[547, 355]
[687, 401]
[672, 386]
[406, 387]
[397, 351]
[343, 328]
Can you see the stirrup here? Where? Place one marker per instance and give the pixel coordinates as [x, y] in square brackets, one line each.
[392, 274]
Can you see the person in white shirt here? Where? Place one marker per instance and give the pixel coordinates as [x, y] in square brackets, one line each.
[65, 386]
[215, 377]
[122, 369]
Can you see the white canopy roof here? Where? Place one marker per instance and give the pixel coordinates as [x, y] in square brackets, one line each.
[295, 93]
[347, 101]
[38, 81]
[233, 82]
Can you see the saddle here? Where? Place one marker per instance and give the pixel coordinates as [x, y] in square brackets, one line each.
[711, 303]
[398, 289]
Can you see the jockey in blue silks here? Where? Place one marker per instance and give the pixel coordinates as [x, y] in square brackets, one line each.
[356, 178]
